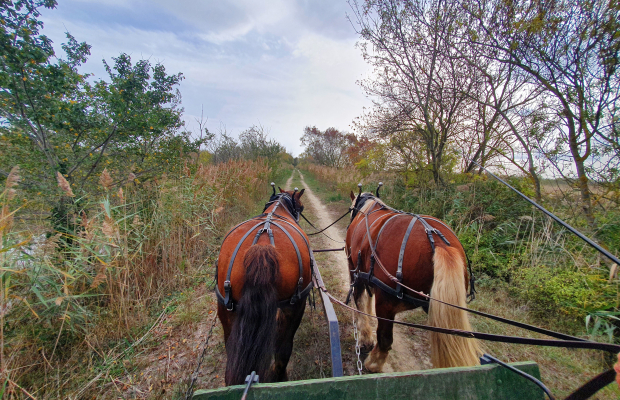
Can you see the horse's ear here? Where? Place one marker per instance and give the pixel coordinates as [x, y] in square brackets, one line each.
[352, 196]
[281, 191]
[301, 192]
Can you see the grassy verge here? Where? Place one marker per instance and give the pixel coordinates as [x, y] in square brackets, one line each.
[562, 370]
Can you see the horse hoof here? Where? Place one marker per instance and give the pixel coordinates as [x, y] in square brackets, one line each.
[375, 361]
[373, 367]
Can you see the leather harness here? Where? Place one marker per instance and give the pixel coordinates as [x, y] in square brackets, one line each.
[289, 205]
[370, 278]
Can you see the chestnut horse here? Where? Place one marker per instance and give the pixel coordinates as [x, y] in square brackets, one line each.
[422, 253]
[263, 278]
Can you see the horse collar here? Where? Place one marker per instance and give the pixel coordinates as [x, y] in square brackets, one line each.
[359, 203]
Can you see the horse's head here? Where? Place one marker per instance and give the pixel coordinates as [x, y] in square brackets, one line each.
[295, 196]
[359, 202]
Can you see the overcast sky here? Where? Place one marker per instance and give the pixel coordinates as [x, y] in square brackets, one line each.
[280, 63]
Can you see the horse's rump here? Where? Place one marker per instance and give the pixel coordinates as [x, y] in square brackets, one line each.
[422, 253]
[288, 274]
[387, 231]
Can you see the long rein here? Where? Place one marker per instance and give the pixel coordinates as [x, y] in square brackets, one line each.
[328, 226]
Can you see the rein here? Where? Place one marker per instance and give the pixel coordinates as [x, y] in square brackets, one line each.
[571, 344]
[583, 392]
[328, 226]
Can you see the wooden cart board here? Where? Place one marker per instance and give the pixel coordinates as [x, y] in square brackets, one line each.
[482, 382]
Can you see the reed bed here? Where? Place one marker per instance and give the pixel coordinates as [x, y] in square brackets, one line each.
[72, 301]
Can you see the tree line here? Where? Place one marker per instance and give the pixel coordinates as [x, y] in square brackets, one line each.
[529, 85]
[59, 123]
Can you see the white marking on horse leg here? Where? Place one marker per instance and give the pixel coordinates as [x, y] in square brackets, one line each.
[363, 322]
[376, 360]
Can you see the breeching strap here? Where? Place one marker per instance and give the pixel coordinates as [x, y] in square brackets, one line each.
[267, 222]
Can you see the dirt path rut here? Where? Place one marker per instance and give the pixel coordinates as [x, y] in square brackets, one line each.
[410, 350]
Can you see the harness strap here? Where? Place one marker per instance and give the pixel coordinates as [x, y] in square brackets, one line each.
[429, 232]
[281, 304]
[227, 287]
[241, 223]
[384, 225]
[355, 273]
[594, 385]
[401, 256]
[386, 288]
[267, 227]
[300, 282]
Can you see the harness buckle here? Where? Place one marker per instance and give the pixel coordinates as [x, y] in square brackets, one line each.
[227, 300]
[297, 294]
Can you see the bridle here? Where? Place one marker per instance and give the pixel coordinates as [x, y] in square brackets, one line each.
[287, 200]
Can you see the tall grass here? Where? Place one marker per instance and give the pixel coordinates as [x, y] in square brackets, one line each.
[71, 302]
[344, 180]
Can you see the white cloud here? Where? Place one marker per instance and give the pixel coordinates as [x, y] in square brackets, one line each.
[247, 62]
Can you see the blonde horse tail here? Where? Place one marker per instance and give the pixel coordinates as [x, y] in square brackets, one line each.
[449, 286]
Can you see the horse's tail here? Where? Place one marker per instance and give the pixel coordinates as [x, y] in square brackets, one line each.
[250, 345]
[449, 286]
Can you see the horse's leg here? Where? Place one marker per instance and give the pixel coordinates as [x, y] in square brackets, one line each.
[363, 302]
[289, 319]
[378, 355]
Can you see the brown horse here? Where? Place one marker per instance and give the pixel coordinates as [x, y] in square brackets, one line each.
[263, 278]
[423, 254]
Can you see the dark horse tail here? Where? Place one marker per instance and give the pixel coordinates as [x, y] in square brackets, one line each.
[251, 342]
